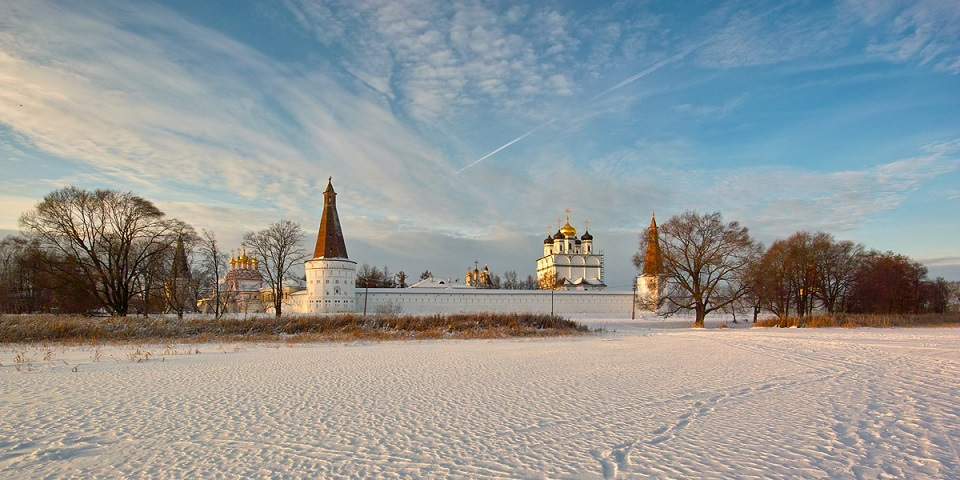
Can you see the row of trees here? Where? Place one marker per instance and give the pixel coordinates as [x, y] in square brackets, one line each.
[711, 265]
[116, 252]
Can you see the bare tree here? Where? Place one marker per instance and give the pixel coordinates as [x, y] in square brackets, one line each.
[151, 296]
[771, 279]
[704, 260]
[888, 282]
[373, 277]
[426, 274]
[510, 281]
[279, 247]
[835, 264]
[954, 294]
[23, 287]
[801, 271]
[110, 236]
[32, 279]
[936, 295]
[214, 266]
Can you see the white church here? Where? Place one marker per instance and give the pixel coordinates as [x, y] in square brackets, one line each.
[568, 262]
[570, 276]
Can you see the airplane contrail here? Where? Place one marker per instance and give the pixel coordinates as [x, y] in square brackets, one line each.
[629, 80]
[648, 71]
[511, 142]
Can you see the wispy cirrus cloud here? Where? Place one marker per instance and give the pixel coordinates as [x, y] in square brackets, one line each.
[434, 59]
[926, 32]
[437, 57]
[780, 200]
[147, 110]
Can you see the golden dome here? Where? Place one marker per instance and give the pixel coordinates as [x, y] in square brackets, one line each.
[568, 230]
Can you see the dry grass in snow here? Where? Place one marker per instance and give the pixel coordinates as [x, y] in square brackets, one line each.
[294, 328]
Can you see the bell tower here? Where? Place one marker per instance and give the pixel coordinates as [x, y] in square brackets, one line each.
[650, 283]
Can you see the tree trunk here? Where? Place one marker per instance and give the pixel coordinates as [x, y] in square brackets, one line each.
[701, 315]
[278, 300]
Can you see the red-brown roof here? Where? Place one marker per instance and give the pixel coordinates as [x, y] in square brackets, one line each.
[330, 242]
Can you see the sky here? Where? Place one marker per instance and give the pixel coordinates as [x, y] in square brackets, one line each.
[460, 131]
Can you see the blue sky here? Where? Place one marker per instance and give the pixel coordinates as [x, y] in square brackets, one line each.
[836, 116]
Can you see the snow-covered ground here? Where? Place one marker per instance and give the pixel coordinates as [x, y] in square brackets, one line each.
[642, 400]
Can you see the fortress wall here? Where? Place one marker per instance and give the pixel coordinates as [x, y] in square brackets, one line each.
[430, 301]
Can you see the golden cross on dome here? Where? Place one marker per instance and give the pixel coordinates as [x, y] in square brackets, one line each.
[567, 212]
[587, 223]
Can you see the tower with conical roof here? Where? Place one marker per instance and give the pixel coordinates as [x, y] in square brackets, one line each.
[330, 275]
[177, 284]
[650, 282]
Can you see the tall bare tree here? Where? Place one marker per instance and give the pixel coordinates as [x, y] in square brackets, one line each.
[771, 279]
[109, 236]
[279, 247]
[836, 263]
[705, 262]
[214, 266]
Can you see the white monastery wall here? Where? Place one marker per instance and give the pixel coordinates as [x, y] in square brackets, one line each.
[430, 301]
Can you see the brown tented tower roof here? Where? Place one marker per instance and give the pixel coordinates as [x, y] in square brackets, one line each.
[653, 261]
[330, 239]
[180, 269]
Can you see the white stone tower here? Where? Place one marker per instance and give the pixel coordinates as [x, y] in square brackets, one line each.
[650, 283]
[331, 276]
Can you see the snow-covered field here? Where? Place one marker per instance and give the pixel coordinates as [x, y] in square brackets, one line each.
[645, 400]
